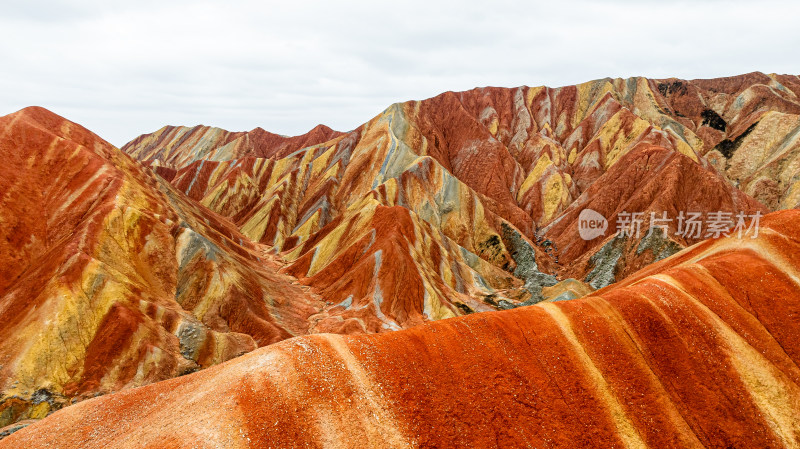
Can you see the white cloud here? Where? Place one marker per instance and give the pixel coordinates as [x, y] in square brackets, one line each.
[125, 68]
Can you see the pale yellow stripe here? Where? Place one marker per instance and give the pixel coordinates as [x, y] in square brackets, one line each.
[775, 395]
[625, 428]
[79, 191]
[758, 245]
[687, 436]
[377, 420]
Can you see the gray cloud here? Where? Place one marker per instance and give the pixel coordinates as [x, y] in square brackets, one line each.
[125, 68]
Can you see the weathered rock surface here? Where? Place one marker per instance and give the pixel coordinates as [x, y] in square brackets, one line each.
[325, 207]
[110, 278]
[698, 350]
[504, 173]
[652, 181]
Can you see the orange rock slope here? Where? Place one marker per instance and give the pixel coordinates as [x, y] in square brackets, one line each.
[110, 278]
[698, 350]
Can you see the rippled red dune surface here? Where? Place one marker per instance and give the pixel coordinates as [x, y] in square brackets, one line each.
[698, 350]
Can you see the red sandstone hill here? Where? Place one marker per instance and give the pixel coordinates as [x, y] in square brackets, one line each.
[699, 350]
[110, 278]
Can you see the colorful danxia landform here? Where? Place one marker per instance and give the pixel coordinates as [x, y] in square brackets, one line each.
[190, 247]
[693, 351]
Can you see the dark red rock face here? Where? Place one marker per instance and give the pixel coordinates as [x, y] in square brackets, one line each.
[652, 181]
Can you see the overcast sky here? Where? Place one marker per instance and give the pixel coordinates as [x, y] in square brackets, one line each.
[126, 68]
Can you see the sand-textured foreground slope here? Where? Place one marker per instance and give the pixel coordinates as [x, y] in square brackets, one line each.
[699, 350]
[110, 278]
